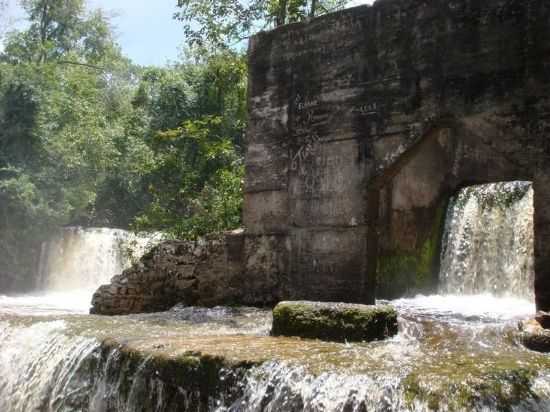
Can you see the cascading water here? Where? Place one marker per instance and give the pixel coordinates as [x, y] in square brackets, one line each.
[84, 258]
[488, 241]
[75, 262]
[454, 352]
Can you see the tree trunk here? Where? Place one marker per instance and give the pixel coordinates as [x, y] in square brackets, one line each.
[313, 8]
[281, 14]
[44, 22]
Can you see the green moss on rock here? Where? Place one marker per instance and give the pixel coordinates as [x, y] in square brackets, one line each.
[334, 321]
[190, 378]
[399, 273]
[466, 385]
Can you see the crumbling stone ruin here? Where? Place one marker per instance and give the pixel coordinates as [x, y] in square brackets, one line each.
[363, 123]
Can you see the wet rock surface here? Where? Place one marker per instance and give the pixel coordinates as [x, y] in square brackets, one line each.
[149, 381]
[222, 359]
[334, 321]
[533, 336]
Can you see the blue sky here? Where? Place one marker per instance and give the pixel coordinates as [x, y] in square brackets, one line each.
[145, 29]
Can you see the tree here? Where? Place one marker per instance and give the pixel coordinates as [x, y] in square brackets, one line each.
[6, 19]
[87, 138]
[196, 117]
[64, 98]
[62, 31]
[3, 16]
[224, 23]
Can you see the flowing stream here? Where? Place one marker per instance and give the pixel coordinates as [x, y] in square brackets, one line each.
[455, 351]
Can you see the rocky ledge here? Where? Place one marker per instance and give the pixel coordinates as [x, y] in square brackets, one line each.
[149, 379]
[534, 333]
[340, 322]
[205, 272]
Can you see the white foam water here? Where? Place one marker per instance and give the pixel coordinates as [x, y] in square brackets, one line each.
[488, 244]
[84, 258]
[447, 343]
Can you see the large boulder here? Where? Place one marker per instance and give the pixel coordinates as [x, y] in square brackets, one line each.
[340, 322]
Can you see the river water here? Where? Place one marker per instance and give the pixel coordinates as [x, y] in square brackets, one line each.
[454, 351]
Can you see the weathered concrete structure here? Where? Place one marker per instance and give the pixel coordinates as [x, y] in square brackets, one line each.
[364, 122]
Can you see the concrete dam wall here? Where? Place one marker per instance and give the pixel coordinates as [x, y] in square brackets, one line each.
[363, 123]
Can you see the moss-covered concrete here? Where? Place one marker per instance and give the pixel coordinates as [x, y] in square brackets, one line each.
[406, 273]
[176, 381]
[464, 386]
[334, 321]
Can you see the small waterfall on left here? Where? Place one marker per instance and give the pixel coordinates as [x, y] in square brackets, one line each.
[84, 258]
[51, 359]
[75, 262]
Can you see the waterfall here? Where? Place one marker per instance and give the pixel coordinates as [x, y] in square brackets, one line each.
[84, 258]
[47, 368]
[41, 366]
[488, 241]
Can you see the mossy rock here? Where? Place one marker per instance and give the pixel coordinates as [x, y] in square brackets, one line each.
[340, 322]
[408, 273]
[473, 386]
[188, 380]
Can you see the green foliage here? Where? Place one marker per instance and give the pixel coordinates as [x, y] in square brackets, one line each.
[88, 138]
[224, 23]
[196, 182]
[61, 30]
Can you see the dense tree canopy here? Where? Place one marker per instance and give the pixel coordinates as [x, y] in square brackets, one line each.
[87, 137]
[225, 23]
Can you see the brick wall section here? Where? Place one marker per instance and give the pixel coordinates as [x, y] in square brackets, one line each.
[202, 273]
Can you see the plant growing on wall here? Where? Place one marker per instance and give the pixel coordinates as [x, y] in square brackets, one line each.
[225, 23]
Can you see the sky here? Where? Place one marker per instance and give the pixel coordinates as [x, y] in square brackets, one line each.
[145, 29]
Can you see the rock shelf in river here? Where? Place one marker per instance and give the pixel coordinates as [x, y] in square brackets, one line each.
[534, 336]
[341, 322]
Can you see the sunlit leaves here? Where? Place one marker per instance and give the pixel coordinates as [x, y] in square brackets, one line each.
[195, 186]
[225, 23]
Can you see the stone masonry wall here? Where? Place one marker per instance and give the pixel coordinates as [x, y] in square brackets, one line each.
[205, 273]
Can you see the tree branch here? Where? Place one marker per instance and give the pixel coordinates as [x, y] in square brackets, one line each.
[91, 66]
